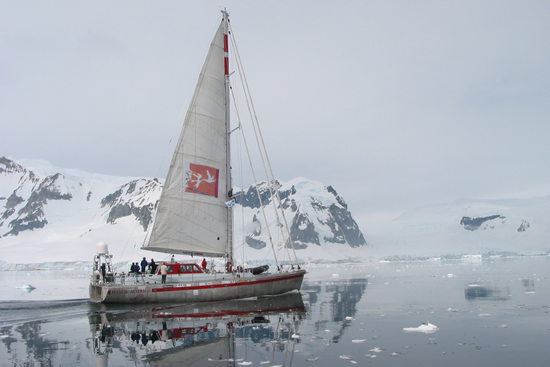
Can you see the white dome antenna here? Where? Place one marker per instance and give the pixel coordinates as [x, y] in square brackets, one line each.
[102, 249]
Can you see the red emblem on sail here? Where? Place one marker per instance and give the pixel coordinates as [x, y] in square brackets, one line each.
[201, 179]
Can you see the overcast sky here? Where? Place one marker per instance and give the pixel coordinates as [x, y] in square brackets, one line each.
[396, 104]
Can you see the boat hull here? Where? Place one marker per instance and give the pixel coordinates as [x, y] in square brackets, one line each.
[204, 291]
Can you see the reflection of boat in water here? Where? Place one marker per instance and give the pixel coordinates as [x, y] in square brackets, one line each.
[192, 333]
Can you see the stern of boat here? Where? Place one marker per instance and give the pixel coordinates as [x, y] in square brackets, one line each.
[95, 293]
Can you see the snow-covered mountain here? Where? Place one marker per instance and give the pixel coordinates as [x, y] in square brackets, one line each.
[50, 214]
[475, 227]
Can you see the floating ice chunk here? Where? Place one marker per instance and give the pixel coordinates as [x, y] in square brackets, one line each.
[376, 350]
[395, 354]
[312, 359]
[359, 340]
[530, 293]
[353, 362]
[335, 275]
[244, 363]
[450, 275]
[26, 287]
[349, 318]
[484, 315]
[295, 336]
[504, 326]
[345, 356]
[264, 362]
[426, 328]
[452, 309]
[327, 331]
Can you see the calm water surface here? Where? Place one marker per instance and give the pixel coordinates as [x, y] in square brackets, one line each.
[490, 313]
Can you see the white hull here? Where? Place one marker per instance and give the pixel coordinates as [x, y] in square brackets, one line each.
[198, 291]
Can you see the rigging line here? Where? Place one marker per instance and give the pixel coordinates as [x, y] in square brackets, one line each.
[255, 180]
[128, 241]
[244, 81]
[241, 184]
[256, 127]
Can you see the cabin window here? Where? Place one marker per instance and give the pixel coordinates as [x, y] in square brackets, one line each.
[169, 268]
[189, 268]
[182, 268]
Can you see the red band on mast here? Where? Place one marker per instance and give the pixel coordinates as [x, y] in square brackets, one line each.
[226, 51]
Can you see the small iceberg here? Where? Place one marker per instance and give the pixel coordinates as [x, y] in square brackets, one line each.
[426, 328]
[27, 288]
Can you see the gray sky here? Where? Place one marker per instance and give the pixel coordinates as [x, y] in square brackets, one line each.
[395, 103]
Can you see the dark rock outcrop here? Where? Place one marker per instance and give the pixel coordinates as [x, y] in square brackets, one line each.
[471, 224]
[131, 199]
[305, 226]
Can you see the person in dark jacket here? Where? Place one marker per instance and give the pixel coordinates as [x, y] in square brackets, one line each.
[143, 265]
[153, 266]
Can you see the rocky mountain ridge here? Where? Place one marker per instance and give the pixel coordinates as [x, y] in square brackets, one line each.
[75, 208]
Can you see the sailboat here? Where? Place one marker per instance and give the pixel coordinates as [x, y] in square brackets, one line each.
[195, 211]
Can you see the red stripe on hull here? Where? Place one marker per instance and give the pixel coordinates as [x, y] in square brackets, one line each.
[223, 285]
[215, 290]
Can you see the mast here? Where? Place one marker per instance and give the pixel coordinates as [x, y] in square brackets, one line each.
[229, 184]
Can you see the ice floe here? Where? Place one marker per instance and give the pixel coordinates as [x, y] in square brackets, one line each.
[27, 288]
[426, 328]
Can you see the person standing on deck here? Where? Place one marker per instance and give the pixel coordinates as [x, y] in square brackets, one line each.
[203, 264]
[153, 266]
[143, 265]
[163, 272]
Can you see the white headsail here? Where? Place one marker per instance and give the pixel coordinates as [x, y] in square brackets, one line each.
[192, 214]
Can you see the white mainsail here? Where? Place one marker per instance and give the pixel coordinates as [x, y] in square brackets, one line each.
[192, 214]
